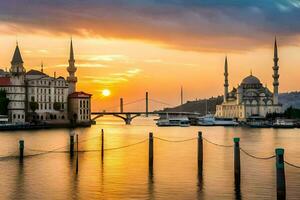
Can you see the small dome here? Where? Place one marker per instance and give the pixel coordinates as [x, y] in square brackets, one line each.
[250, 80]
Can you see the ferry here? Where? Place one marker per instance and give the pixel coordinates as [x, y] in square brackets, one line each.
[173, 121]
[210, 120]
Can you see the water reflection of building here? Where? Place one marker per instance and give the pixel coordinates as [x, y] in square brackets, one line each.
[250, 98]
[36, 96]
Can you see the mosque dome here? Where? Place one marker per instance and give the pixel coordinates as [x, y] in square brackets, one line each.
[250, 80]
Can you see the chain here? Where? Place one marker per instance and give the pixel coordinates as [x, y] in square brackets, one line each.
[130, 145]
[256, 157]
[166, 140]
[220, 145]
[292, 165]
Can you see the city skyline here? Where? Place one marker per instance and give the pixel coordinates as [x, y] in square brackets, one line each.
[130, 60]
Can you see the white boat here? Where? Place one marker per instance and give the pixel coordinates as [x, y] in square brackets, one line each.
[210, 120]
[283, 123]
[173, 121]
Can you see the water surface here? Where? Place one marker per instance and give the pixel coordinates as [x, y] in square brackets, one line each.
[124, 173]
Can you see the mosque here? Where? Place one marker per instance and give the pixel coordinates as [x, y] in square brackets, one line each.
[250, 99]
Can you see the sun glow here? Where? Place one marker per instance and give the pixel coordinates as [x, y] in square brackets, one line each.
[106, 92]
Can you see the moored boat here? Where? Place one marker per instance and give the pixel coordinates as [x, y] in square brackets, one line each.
[284, 123]
[173, 121]
[210, 120]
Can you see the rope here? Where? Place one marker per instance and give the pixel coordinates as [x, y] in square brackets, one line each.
[292, 165]
[166, 140]
[220, 145]
[91, 150]
[12, 155]
[256, 157]
[56, 149]
[130, 145]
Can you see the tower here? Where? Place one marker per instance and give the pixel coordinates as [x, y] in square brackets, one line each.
[275, 74]
[17, 68]
[42, 67]
[181, 95]
[17, 103]
[72, 79]
[226, 80]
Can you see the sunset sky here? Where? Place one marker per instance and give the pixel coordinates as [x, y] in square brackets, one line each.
[133, 46]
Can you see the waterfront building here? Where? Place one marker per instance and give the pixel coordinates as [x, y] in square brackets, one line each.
[80, 107]
[35, 96]
[250, 99]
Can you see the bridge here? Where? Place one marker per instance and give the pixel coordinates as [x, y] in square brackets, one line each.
[129, 116]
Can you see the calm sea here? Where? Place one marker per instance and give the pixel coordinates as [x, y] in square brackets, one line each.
[124, 174]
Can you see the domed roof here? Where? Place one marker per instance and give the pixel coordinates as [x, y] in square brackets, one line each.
[250, 80]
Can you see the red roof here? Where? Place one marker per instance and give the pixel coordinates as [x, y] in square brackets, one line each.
[79, 95]
[4, 81]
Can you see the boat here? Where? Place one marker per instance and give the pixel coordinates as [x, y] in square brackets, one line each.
[173, 121]
[284, 123]
[211, 120]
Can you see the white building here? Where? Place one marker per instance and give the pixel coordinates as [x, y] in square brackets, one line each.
[36, 96]
[80, 107]
[250, 99]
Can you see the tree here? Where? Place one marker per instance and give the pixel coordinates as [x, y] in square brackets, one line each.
[292, 113]
[3, 103]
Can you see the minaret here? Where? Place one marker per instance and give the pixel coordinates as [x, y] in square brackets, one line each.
[275, 74]
[42, 67]
[226, 80]
[72, 79]
[181, 95]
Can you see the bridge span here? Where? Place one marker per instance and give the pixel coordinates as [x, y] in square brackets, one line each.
[129, 116]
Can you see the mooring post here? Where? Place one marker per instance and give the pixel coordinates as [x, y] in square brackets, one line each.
[121, 105]
[237, 162]
[77, 153]
[102, 144]
[280, 174]
[200, 151]
[147, 104]
[21, 148]
[151, 151]
[72, 143]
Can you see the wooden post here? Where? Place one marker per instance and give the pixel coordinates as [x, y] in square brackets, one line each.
[200, 151]
[237, 162]
[147, 104]
[77, 153]
[102, 144]
[21, 148]
[71, 144]
[121, 105]
[280, 174]
[151, 151]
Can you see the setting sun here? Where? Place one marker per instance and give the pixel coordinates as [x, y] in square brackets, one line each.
[106, 92]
